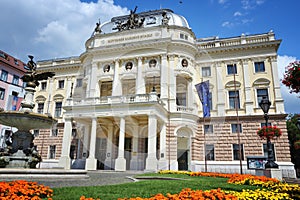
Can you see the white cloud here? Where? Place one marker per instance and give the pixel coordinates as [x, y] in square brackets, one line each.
[50, 29]
[291, 100]
[227, 24]
[237, 14]
[222, 1]
[251, 4]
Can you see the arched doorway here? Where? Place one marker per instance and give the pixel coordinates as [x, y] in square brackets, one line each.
[183, 148]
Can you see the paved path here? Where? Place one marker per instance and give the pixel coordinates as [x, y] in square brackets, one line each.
[93, 179]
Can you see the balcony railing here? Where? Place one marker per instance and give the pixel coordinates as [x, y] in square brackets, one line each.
[128, 99]
[184, 109]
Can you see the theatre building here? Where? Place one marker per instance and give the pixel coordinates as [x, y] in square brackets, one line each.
[129, 102]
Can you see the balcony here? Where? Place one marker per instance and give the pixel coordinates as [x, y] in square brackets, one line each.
[126, 99]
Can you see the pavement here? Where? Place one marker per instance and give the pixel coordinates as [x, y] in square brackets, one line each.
[71, 178]
[90, 178]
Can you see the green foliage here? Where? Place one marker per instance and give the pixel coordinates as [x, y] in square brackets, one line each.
[147, 188]
[294, 135]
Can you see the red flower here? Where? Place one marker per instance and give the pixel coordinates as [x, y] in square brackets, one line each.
[269, 132]
[292, 77]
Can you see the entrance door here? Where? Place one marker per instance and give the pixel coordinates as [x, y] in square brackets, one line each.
[128, 148]
[182, 160]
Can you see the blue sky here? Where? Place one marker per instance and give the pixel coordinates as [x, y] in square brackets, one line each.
[53, 28]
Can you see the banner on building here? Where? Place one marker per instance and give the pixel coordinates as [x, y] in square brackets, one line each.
[203, 93]
[14, 102]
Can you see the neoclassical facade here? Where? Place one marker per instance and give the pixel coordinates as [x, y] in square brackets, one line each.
[129, 102]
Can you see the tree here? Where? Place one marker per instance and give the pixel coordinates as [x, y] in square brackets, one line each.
[294, 137]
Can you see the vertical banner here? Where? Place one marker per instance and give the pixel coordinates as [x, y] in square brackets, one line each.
[14, 102]
[203, 93]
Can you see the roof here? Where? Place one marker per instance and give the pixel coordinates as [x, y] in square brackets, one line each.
[143, 20]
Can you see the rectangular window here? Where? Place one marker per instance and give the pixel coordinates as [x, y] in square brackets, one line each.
[36, 132]
[208, 128]
[234, 99]
[206, 71]
[231, 69]
[259, 66]
[52, 151]
[264, 124]
[58, 106]
[79, 82]
[181, 36]
[61, 84]
[43, 85]
[40, 108]
[209, 152]
[266, 151]
[181, 99]
[236, 152]
[16, 61]
[15, 80]
[210, 101]
[2, 93]
[4, 75]
[74, 132]
[235, 128]
[54, 132]
[262, 93]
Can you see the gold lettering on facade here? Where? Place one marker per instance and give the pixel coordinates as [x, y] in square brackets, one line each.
[136, 37]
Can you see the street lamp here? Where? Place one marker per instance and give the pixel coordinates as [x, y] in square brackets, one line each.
[265, 106]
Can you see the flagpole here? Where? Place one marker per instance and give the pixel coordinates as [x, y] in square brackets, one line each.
[204, 137]
[238, 124]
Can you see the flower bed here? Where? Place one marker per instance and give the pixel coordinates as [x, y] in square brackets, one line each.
[267, 188]
[20, 189]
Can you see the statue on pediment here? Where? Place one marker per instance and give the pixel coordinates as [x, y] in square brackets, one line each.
[98, 29]
[132, 22]
[165, 19]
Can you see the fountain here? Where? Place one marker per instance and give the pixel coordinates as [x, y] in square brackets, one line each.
[20, 151]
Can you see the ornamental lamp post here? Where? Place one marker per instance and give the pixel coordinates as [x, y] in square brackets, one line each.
[265, 106]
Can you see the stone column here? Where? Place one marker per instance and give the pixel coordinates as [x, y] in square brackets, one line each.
[93, 81]
[164, 79]
[246, 77]
[278, 101]
[69, 87]
[65, 160]
[163, 162]
[50, 109]
[220, 91]
[171, 84]
[91, 162]
[117, 87]
[109, 146]
[190, 98]
[151, 161]
[120, 164]
[140, 81]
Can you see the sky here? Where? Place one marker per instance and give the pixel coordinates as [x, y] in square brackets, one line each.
[51, 29]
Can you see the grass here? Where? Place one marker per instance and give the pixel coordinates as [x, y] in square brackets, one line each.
[146, 188]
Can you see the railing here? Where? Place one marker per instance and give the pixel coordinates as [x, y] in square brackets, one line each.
[226, 42]
[184, 109]
[135, 98]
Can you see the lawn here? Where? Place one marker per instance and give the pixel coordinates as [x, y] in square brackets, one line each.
[147, 188]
